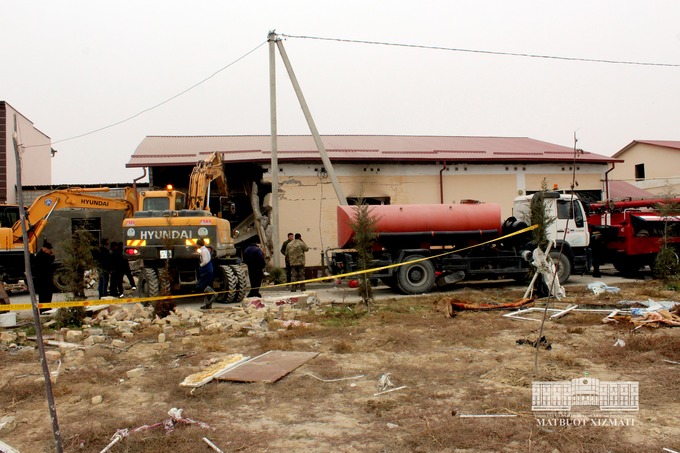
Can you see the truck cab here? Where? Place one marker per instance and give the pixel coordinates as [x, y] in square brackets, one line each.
[568, 229]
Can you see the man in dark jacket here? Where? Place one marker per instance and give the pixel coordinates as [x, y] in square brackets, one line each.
[43, 273]
[254, 259]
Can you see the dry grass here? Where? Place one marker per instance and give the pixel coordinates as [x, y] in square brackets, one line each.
[469, 364]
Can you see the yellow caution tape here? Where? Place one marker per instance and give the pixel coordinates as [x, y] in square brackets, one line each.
[130, 300]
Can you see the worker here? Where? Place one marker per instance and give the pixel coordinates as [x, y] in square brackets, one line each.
[117, 270]
[254, 259]
[295, 253]
[103, 258]
[283, 250]
[43, 274]
[206, 275]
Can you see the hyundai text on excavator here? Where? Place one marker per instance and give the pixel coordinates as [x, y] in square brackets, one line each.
[37, 218]
[164, 231]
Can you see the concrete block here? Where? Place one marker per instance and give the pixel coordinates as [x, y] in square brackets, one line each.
[118, 343]
[7, 423]
[89, 341]
[8, 337]
[128, 335]
[98, 338]
[94, 331]
[161, 338]
[194, 331]
[168, 331]
[52, 356]
[136, 372]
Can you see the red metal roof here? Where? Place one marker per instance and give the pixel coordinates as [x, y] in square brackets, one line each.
[187, 150]
[620, 190]
[664, 143]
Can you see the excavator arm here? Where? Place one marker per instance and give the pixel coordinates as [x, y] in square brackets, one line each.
[205, 172]
[38, 214]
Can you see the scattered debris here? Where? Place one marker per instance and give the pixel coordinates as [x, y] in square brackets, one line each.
[673, 362]
[513, 315]
[392, 425]
[486, 415]
[384, 381]
[268, 367]
[207, 375]
[5, 448]
[212, 445]
[564, 312]
[620, 343]
[169, 425]
[335, 380]
[455, 305]
[390, 390]
[601, 287]
[541, 342]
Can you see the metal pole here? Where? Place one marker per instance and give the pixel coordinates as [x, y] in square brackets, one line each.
[312, 127]
[31, 288]
[272, 38]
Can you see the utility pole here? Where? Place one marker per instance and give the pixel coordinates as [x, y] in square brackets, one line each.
[272, 38]
[31, 288]
[310, 122]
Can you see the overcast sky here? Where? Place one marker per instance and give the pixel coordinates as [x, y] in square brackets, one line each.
[76, 66]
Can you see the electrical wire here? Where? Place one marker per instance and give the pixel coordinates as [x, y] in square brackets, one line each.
[157, 105]
[486, 52]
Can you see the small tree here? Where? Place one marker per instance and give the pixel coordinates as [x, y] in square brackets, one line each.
[540, 217]
[666, 265]
[364, 227]
[78, 257]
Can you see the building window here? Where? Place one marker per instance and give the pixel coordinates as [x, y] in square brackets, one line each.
[368, 200]
[639, 171]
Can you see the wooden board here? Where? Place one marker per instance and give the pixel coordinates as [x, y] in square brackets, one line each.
[268, 367]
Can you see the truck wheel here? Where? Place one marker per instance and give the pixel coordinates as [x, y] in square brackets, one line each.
[148, 284]
[562, 264]
[228, 281]
[60, 280]
[241, 272]
[628, 266]
[416, 278]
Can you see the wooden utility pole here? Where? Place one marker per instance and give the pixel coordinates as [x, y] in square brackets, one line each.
[31, 289]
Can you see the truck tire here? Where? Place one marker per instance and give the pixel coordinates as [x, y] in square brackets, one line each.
[628, 266]
[562, 264]
[60, 280]
[148, 284]
[228, 284]
[241, 272]
[416, 278]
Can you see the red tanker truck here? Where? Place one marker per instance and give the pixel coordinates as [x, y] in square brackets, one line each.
[410, 232]
[629, 234]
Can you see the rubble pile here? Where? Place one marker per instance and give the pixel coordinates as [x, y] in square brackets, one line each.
[256, 317]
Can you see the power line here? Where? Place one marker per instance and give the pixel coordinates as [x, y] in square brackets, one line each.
[157, 105]
[487, 52]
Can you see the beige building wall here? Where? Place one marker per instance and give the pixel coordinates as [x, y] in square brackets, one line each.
[36, 156]
[661, 164]
[307, 199]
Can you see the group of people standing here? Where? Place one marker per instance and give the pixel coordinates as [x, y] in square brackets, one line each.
[112, 267]
[294, 249]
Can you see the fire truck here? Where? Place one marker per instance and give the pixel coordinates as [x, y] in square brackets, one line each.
[630, 233]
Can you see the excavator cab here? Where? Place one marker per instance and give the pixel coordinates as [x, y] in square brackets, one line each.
[162, 200]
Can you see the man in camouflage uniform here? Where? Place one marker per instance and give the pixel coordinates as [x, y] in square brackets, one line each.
[295, 254]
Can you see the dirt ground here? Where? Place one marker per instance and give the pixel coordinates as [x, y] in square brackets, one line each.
[468, 364]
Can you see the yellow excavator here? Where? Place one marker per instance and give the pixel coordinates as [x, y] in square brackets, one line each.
[164, 231]
[37, 217]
